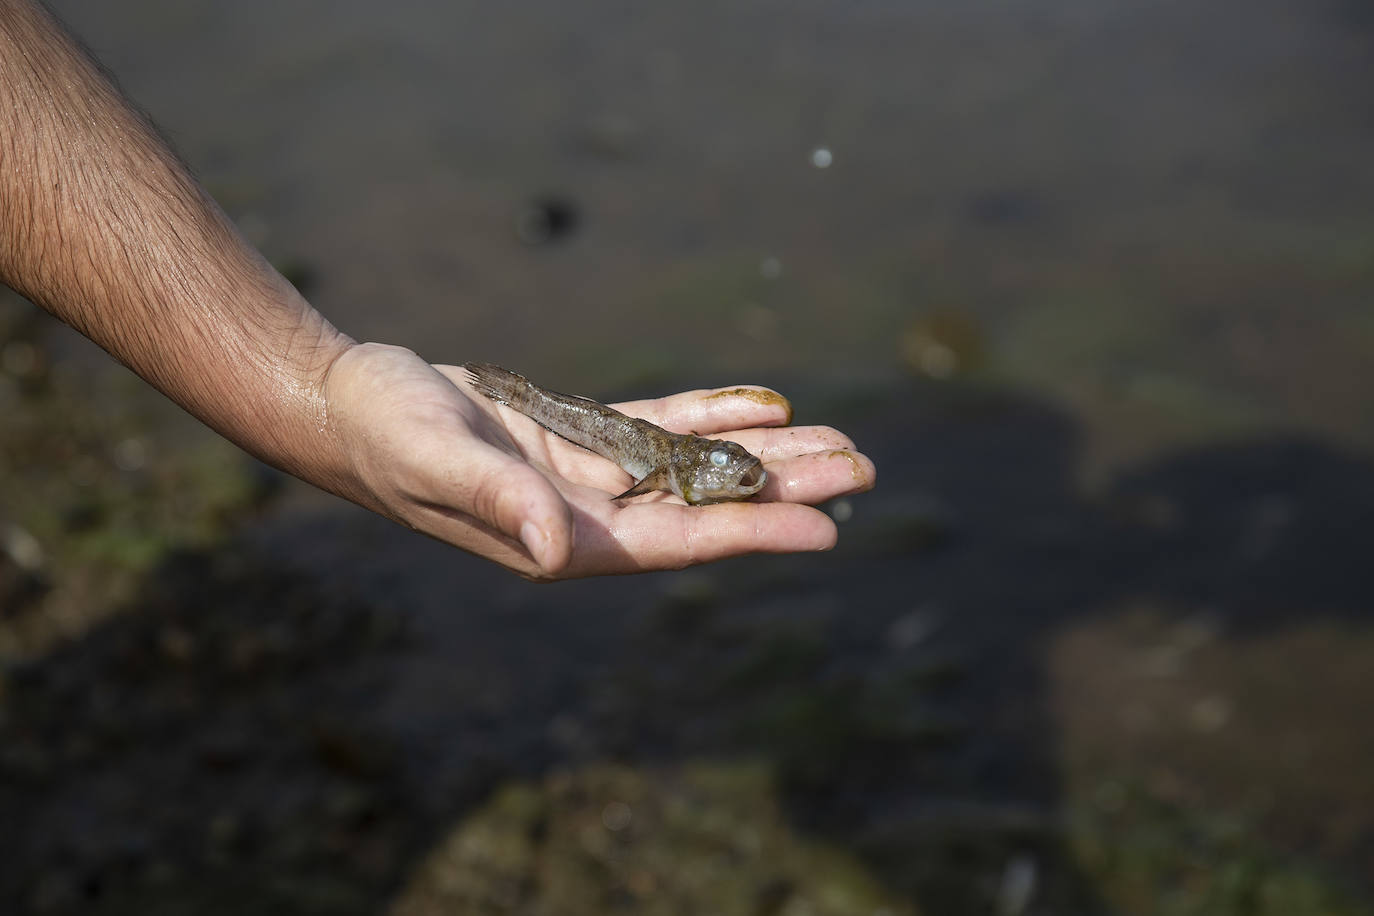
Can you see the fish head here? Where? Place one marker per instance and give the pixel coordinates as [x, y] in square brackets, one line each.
[714, 470]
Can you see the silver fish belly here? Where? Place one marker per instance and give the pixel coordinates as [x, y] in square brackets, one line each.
[698, 469]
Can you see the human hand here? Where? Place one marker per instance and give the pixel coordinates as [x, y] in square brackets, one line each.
[426, 451]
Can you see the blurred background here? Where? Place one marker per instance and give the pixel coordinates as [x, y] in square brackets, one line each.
[1092, 284]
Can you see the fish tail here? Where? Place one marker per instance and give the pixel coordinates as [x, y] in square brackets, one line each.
[501, 385]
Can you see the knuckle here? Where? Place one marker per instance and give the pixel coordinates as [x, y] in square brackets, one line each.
[489, 496]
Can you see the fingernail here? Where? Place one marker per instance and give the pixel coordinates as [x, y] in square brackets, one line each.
[535, 541]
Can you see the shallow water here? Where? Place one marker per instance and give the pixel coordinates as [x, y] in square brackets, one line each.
[1090, 282]
[1166, 202]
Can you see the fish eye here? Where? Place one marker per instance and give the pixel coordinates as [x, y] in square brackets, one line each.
[719, 458]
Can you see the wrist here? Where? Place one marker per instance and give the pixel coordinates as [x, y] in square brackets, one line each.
[287, 421]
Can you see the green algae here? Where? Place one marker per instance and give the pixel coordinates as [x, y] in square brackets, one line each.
[698, 837]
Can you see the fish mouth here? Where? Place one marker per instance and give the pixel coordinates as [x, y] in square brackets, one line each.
[753, 479]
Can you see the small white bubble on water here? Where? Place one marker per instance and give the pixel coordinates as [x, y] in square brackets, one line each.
[821, 157]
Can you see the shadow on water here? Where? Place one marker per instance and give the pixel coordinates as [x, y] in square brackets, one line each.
[301, 721]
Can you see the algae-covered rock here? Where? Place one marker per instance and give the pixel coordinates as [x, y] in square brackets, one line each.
[705, 837]
[101, 478]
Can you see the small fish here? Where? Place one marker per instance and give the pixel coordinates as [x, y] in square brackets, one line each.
[699, 470]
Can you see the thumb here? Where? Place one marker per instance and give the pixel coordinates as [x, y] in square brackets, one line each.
[515, 499]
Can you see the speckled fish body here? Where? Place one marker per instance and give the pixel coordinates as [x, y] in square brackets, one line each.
[698, 469]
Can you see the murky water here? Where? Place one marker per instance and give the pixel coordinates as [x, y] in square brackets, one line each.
[1166, 204]
[1065, 269]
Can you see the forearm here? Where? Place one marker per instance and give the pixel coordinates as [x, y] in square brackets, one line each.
[102, 225]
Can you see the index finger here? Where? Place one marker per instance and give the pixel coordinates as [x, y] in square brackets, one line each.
[712, 410]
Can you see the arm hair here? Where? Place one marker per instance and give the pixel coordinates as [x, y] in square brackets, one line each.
[104, 227]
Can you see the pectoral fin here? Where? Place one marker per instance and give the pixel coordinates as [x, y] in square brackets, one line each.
[654, 480]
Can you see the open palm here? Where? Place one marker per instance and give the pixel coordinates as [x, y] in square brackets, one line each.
[432, 454]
